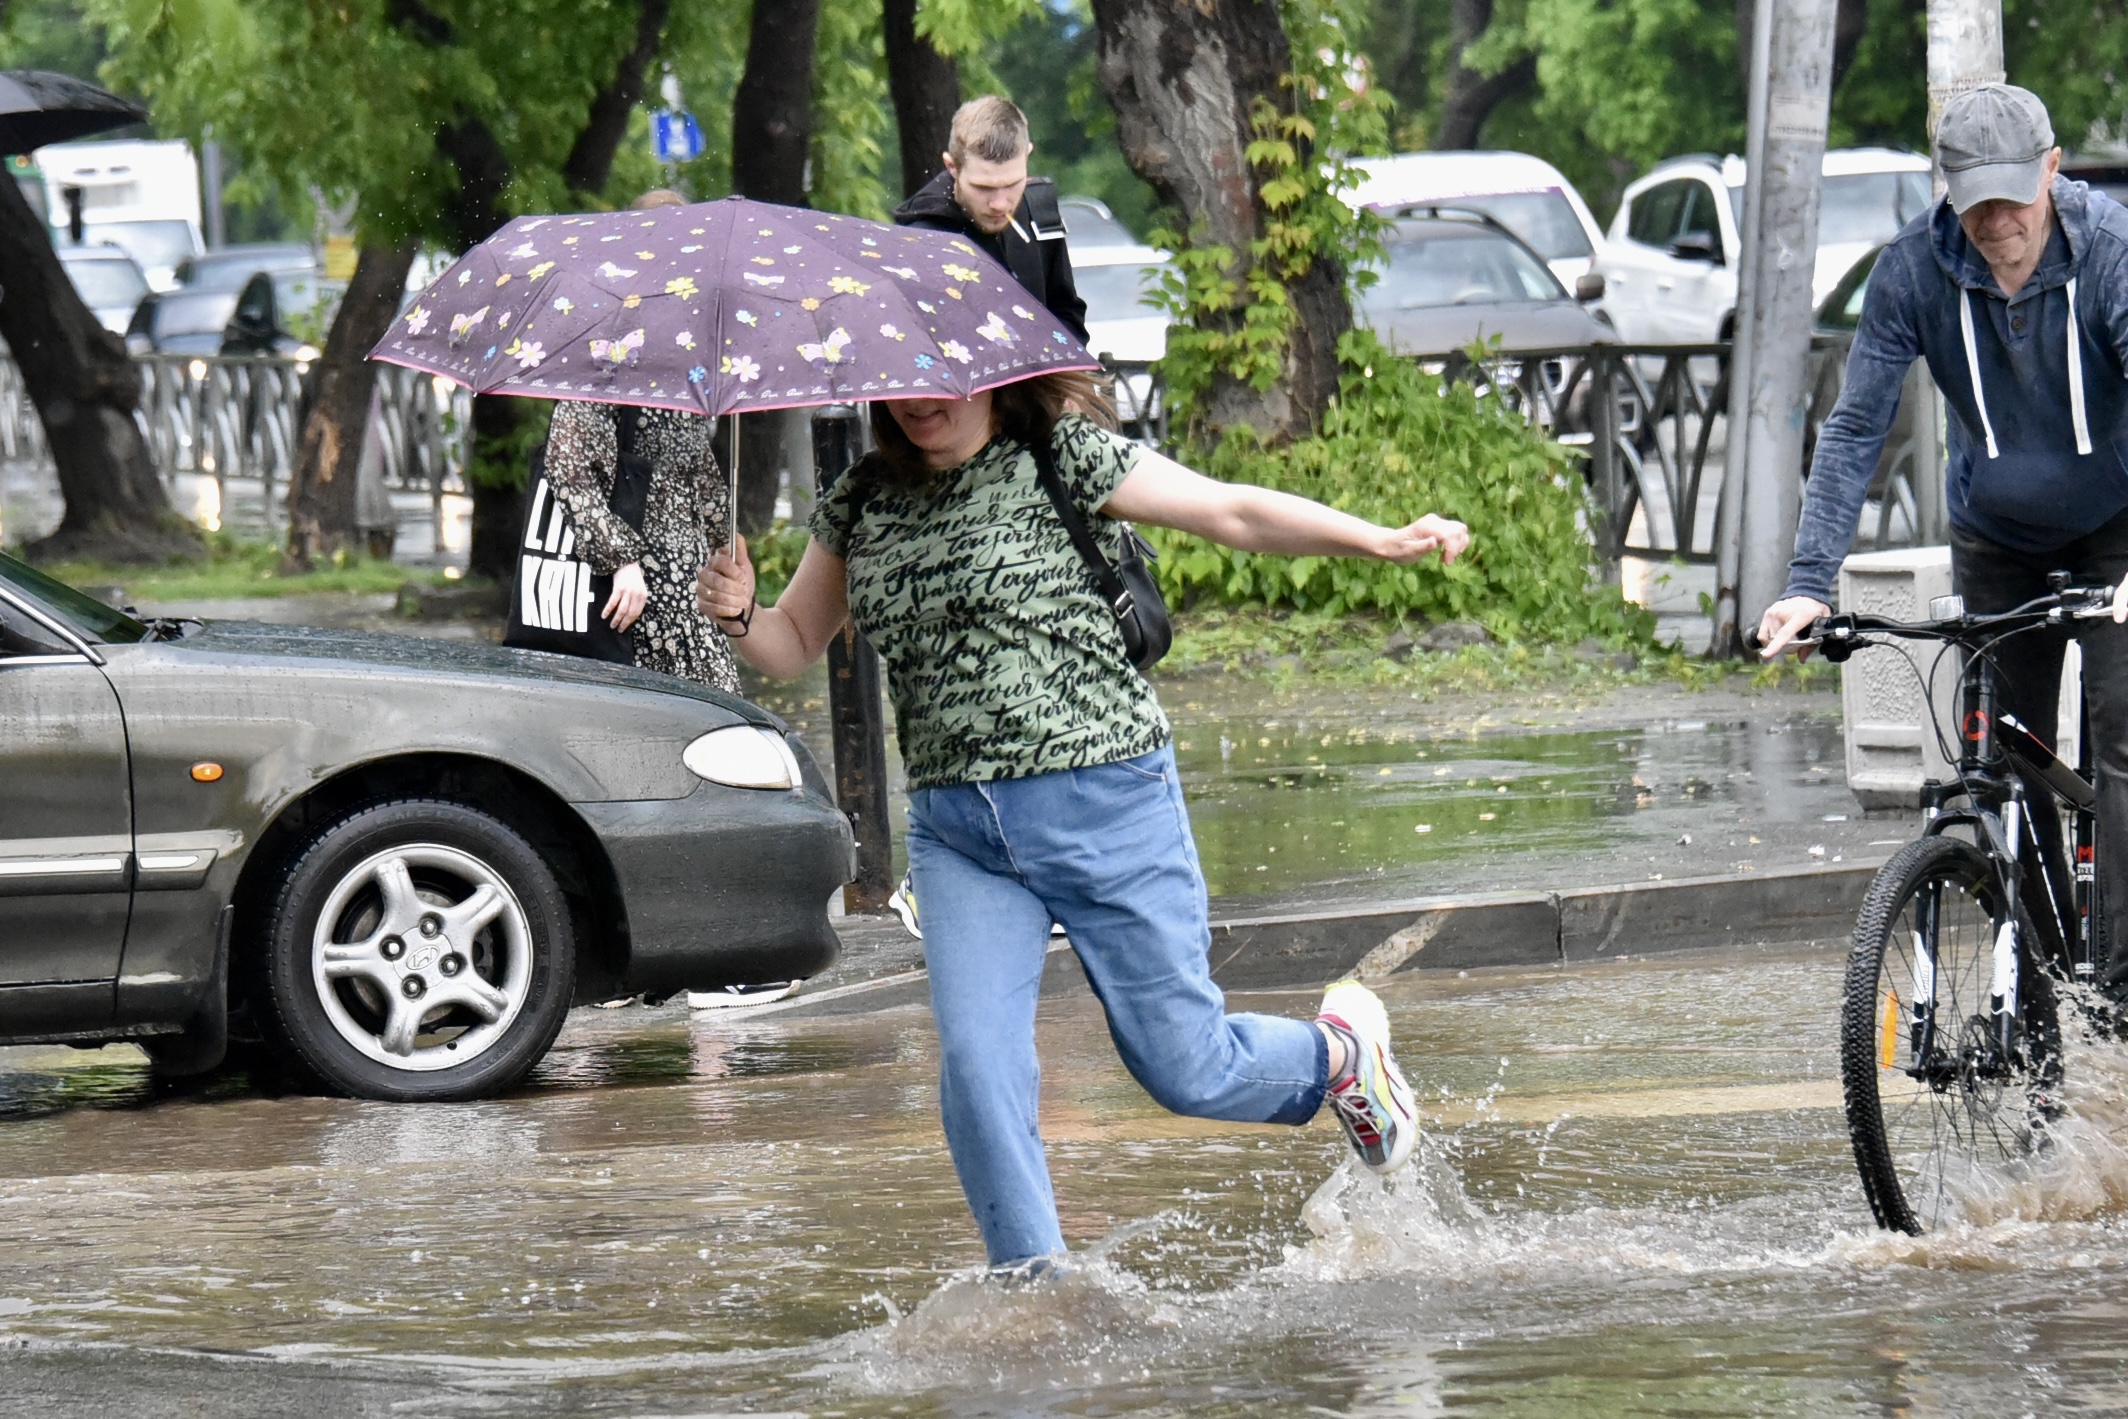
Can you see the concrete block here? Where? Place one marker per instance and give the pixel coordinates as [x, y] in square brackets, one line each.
[1892, 744]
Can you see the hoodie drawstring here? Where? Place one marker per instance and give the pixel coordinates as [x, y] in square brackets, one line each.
[2077, 417]
[1972, 368]
[2076, 378]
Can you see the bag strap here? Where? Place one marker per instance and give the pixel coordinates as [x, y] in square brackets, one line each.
[1106, 577]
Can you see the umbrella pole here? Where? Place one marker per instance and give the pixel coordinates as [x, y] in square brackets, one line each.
[731, 506]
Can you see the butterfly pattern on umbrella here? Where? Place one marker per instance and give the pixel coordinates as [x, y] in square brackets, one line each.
[727, 306]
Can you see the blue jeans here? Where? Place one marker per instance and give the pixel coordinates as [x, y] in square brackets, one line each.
[1106, 852]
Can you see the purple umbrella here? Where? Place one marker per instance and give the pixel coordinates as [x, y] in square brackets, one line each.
[727, 307]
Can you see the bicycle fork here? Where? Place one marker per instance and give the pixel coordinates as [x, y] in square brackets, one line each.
[2002, 988]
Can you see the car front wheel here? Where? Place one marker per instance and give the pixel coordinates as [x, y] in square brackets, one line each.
[418, 950]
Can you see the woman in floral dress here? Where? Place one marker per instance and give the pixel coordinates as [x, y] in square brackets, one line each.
[686, 516]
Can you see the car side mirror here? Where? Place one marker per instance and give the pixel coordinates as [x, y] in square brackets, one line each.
[1588, 286]
[1697, 246]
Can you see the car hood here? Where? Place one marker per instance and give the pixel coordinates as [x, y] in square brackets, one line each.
[421, 655]
[1445, 330]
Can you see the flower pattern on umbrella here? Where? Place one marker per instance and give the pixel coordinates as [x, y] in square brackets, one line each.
[793, 307]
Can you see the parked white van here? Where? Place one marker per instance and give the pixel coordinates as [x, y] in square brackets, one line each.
[1527, 195]
[1669, 267]
[140, 195]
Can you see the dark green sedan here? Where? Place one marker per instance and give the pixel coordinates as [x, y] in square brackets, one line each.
[395, 863]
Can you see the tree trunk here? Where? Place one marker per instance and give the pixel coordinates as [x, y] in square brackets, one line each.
[1182, 79]
[498, 506]
[772, 134]
[772, 113]
[590, 160]
[476, 212]
[321, 500]
[927, 89]
[87, 392]
[1473, 96]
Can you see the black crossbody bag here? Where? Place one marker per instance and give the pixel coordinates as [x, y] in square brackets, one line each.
[556, 597]
[1126, 584]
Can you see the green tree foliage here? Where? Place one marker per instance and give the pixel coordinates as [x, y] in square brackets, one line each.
[349, 99]
[1396, 444]
[1045, 64]
[1233, 318]
[2074, 55]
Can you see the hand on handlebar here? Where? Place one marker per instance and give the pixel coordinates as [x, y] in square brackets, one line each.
[1785, 620]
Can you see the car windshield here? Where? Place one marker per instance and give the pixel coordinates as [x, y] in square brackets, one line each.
[1545, 220]
[107, 285]
[1121, 292]
[151, 243]
[1458, 266]
[1862, 206]
[85, 616]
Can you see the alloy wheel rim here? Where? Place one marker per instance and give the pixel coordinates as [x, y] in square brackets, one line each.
[422, 957]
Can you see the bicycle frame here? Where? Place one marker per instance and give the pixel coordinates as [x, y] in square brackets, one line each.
[2006, 777]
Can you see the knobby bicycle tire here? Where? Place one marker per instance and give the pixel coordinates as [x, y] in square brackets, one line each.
[1926, 1127]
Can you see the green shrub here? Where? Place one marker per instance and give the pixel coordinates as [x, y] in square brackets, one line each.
[1395, 446]
[775, 555]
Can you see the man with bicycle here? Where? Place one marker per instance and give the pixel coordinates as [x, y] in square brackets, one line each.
[2015, 290]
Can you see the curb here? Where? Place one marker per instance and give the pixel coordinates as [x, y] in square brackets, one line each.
[1583, 924]
[1541, 928]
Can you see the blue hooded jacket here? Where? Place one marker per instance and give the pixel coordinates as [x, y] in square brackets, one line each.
[2036, 387]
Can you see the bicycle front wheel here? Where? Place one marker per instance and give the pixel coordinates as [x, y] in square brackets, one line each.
[1937, 1101]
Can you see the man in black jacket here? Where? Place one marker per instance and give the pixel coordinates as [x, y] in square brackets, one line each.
[985, 195]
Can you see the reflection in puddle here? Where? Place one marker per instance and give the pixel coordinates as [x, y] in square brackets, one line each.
[1359, 797]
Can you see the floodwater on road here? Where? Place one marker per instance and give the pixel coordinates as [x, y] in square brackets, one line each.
[1635, 1197]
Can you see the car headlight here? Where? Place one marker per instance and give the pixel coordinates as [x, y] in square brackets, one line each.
[744, 756]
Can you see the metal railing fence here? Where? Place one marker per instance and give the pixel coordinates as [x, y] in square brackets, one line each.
[237, 419]
[1649, 445]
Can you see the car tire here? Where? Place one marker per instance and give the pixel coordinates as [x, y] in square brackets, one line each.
[417, 951]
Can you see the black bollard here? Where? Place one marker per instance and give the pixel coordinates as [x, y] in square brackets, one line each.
[856, 703]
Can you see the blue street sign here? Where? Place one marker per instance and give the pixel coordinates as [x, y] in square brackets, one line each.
[674, 137]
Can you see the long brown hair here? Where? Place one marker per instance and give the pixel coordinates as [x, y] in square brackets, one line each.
[1025, 411]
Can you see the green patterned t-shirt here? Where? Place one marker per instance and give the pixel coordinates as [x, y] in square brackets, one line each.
[1002, 658]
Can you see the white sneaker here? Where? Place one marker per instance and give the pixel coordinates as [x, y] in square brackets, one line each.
[735, 995]
[903, 904]
[1380, 1117]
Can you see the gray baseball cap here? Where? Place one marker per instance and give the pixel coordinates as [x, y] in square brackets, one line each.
[1992, 144]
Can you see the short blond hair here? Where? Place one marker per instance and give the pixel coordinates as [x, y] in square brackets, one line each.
[655, 198]
[990, 128]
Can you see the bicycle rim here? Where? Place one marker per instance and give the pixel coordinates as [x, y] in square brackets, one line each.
[1936, 1107]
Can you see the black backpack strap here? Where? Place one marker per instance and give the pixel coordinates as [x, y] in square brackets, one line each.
[1104, 571]
[1045, 220]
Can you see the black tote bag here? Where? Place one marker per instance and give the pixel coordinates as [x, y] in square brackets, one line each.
[556, 597]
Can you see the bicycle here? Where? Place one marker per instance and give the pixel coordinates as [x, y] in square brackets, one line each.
[1950, 1033]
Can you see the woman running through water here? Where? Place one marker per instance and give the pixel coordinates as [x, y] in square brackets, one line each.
[1042, 782]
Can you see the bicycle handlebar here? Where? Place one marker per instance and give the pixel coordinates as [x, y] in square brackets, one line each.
[1839, 636]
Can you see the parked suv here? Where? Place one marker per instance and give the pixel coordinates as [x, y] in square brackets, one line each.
[1670, 262]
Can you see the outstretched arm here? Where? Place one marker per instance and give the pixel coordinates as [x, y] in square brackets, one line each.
[783, 639]
[1162, 492]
